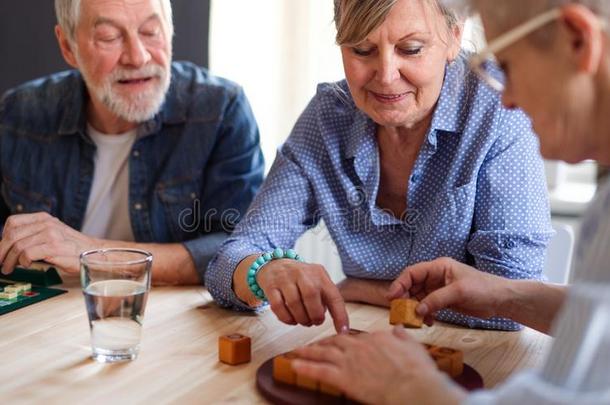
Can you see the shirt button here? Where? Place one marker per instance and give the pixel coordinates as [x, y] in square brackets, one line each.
[19, 208]
[193, 196]
[415, 177]
[137, 206]
[136, 153]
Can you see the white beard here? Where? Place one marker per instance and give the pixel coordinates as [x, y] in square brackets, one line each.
[137, 108]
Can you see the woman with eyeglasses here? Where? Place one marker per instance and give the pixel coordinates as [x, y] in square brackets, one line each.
[555, 60]
[409, 159]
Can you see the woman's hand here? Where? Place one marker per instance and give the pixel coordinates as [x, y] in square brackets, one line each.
[382, 368]
[300, 293]
[447, 283]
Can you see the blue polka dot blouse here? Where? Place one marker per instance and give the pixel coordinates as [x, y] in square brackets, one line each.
[477, 193]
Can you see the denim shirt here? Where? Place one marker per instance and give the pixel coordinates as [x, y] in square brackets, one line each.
[477, 193]
[193, 170]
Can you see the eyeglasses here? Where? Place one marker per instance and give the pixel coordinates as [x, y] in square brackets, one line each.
[479, 61]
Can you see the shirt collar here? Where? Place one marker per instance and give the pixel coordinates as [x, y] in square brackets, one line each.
[449, 111]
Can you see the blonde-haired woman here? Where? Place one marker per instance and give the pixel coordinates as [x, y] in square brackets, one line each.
[409, 159]
[555, 56]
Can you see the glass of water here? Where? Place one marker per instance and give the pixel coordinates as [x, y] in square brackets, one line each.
[115, 283]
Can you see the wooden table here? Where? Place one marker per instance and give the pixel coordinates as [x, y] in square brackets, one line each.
[44, 351]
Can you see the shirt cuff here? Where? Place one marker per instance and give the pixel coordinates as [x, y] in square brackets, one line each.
[203, 249]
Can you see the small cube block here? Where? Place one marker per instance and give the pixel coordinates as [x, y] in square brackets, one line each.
[330, 389]
[448, 360]
[307, 383]
[282, 368]
[402, 312]
[234, 349]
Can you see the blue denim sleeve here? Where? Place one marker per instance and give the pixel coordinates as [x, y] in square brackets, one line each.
[232, 178]
[512, 225]
[282, 211]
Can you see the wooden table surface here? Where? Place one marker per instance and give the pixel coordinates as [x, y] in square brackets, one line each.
[45, 351]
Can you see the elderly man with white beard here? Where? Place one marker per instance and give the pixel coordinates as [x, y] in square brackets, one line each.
[127, 150]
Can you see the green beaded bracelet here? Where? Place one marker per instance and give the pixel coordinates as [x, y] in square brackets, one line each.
[263, 259]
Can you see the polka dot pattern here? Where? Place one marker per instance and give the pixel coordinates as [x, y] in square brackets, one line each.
[477, 193]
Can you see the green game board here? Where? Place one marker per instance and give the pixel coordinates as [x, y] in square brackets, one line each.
[37, 294]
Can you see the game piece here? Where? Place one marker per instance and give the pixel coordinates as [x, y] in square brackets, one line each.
[330, 389]
[282, 368]
[449, 360]
[234, 349]
[8, 295]
[24, 287]
[12, 289]
[402, 312]
[307, 383]
[25, 295]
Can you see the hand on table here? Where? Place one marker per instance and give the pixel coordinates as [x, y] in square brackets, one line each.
[386, 367]
[300, 293]
[32, 237]
[447, 283]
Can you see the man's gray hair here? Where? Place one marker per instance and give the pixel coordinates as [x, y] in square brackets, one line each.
[68, 14]
[506, 14]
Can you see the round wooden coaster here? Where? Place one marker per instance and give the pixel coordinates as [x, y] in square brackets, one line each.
[283, 394]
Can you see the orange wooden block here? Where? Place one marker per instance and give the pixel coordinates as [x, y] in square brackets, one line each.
[448, 360]
[307, 383]
[282, 368]
[402, 312]
[330, 389]
[234, 349]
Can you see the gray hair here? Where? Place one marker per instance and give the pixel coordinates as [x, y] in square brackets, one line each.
[356, 19]
[68, 14]
[508, 14]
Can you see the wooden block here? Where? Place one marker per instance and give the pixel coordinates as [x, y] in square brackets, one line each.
[448, 360]
[282, 368]
[330, 389]
[402, 312]
[234, 349]
[307, 383]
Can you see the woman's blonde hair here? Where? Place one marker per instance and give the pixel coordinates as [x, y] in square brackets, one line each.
[356, 19]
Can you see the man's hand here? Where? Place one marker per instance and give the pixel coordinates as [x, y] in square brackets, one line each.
[386, 367]
[32, 237]
[447, 283]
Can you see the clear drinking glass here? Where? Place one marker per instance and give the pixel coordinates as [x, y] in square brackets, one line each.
[115, 283]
